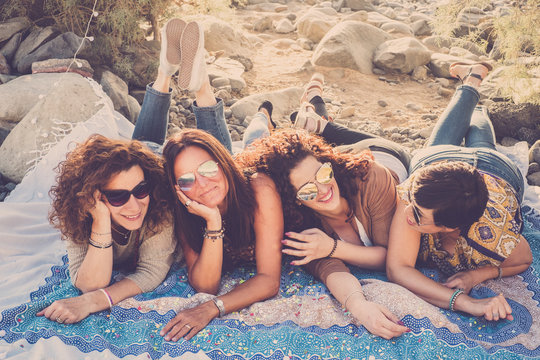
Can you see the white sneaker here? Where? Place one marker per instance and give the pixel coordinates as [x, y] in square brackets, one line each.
[192, 66]
[170, 55]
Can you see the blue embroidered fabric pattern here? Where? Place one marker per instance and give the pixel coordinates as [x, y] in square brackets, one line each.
[130, 331]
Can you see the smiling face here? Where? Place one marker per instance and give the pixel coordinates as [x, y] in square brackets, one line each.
[327, 199]
[207, 190]
[130, 215]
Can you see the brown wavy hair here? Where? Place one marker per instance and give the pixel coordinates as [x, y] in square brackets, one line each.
[279, 153]
[240, 199]
[89, 167]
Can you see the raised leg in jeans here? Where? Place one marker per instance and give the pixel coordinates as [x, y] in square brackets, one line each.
[481, 133]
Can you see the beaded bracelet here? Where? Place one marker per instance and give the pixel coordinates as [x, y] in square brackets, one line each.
[214, 234]
[109, 298]
[98, 244]
[333, 249]
[454, 297]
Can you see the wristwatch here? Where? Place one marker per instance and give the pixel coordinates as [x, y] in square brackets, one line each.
[219, 305]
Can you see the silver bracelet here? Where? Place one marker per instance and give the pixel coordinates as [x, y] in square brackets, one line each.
[349, 296]
[219, 304]
[500, 274]
[98, 244]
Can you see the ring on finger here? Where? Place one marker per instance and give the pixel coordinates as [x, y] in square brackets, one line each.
[188, 203]
[58, 320]
[188, 326]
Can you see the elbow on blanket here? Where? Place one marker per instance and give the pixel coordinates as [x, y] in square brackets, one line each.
[392, 272]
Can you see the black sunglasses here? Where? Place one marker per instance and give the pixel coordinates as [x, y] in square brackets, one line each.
[120, 197]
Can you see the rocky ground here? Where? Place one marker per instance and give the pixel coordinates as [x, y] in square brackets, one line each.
[386, 72]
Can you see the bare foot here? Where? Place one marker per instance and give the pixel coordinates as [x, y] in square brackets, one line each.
[470, 74]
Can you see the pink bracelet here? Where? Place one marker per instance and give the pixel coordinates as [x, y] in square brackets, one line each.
[109, 298]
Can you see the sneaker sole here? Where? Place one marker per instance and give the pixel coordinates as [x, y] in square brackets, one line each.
[191, 47]
[170, 40]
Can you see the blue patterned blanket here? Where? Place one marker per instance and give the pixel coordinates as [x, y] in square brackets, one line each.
[302, 322]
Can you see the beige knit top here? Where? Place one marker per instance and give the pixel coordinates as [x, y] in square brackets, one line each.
[156, 253]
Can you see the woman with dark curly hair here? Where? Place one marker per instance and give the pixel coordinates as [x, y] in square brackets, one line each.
[110, 205]
[349, 196]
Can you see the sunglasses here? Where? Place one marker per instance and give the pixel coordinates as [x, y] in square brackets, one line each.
[120, 197]
[309, 191]
[416, 212]
[207, 169]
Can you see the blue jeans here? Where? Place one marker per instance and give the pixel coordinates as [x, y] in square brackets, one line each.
[258, 128]
[151, 125]
[463, 120]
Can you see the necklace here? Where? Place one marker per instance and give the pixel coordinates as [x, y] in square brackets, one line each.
[125, 235]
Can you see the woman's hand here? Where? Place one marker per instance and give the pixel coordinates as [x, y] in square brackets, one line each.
[313, 244]
[69, 311]
[377, 319]
[211, 215]
[492, 309]
[100, 211]
[464, 280]
[188, 323]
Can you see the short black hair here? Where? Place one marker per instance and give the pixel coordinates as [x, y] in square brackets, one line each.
[455, 190]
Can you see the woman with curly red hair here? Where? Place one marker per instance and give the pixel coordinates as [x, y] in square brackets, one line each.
[349, 196]
[110, 205]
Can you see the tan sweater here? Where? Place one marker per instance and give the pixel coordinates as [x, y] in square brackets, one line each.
[156, 255]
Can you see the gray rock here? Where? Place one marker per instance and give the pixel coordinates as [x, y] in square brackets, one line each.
[134, 109]
[10, 48]
[509, 118]
[396, 27]
[220, 81]
[402, 54]
[37, 37]
[426, 132]
[422, 27]
[5, 69]
[436, 43]
[527, 134]
[350, 44]
[534, 152]
[357, 16]
[534, 179]
[305, 44]
[117, 90]
[223, 94]
[382, 103]
[413, 107]
[64, 104]
[508, 141]
[419, 73]
[228, 68]
[12, 26]
[429, 117]
[285, 101]
[377, 19]
[291, 16]
[220, 35]
[533, 168]
[471, 16]
[440, 64]
[262, 24]
[284, 26]
[314, 25]
[80, 66]
[138, 95]
[356, 5]
[185, 102]
[62, 47]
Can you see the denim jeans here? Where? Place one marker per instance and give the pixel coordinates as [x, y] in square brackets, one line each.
[464, 121]
[258, 128]
[151, 125]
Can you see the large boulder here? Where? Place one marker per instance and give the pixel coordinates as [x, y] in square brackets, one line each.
[285, 101]
[284, 26]
[397, 27]
[220, 35]
[356, 5]
[34, 40]
[62, 47]
[350, 44]
[79, 66]
[140, 63]
[12, 26]
[437, 42]
[314, 25]
[117, 90]
[440, 64]
[518, 121]
[70, 99]
[5, 69]
[402, 55]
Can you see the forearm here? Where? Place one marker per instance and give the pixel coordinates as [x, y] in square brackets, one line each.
[98, 300]
[258, 288]
[344, 286]
[205, 274]
[96, 269]
[427, 289]
[367, 257]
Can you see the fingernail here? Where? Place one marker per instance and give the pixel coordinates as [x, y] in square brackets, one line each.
[167, 338]
[288, 233]
[292, 262]
[283, 241]
[401, 323]
[408, 330]
[161, 333]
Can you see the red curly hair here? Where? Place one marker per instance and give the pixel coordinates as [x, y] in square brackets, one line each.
[89, 167]
[281, 152]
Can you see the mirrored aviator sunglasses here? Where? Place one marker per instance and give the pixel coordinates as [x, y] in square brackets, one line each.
[120, 197]
[207, 169]
[309, 191]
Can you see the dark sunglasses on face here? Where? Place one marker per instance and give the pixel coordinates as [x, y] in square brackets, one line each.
[416, 212]
[309, 191]
[207, 169]
[120, 197]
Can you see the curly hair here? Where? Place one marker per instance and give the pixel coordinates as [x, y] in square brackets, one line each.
[281, 152]
[89, 167]
[240, 199]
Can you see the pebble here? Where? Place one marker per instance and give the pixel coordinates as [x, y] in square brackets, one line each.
[508, 141]
[347, 111]
[228, 113]
[534, 167]
[382, 103]
[378, 71]
[429, 117]
[220, 82]
[413, 107]
[534, 179]
[185, 102]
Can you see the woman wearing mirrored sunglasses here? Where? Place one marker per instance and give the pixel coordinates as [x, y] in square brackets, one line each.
[110, 206]
[347, 195]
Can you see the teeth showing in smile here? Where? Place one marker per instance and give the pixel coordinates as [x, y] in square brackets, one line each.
[131, 217]
[327, 196]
